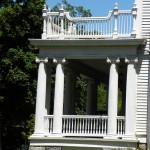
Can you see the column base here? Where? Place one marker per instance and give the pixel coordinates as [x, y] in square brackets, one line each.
[111, 136]
[129, 137]
[44, 148]
[37, 135]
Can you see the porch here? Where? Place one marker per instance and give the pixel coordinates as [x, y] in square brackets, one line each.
[102, 50]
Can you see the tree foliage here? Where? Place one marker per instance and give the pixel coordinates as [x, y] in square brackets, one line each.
[75, 11]
[19, 20]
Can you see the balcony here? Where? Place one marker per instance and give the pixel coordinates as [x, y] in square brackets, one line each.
[84, 125]
[118, 24]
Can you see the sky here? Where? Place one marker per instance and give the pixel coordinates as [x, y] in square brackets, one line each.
[98, 8]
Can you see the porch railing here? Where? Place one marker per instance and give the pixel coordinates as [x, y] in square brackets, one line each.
[118, 23]
[84, 125]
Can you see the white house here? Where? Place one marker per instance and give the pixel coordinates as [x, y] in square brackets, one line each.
[104, 50]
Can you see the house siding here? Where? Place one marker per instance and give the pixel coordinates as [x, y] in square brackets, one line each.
[143, 72]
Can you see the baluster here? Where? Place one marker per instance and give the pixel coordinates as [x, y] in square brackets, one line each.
[66, 125]
[52, 25]
[97, 28]
[69, 125]
[124, 24]
[94, 128]
[72, 127]
[75, 126]
[127, 24]
[80, 29]
[83, 126]
[121, 127]
[105, 126]
[63, 125]
[50, 124]
[79, 125]
[86, 126]
[97, 126]
[102, 126]
[101, 23]
[88, 27]
[92, 27]
[91, 126]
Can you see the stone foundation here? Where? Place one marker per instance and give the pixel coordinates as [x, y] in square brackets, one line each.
[44, 148]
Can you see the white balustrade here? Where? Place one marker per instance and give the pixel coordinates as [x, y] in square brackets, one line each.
[48, 123]
[120, 125]
[84, 125]
[60, 24]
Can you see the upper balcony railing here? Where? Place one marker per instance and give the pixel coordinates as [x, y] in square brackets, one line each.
[118, 24]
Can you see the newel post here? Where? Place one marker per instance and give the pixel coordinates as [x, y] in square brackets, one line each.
[44, 22]
[134, 14]
[49, 23]
[62, 22]
[115, 34]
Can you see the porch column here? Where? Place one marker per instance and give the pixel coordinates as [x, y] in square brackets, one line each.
[130, 112]
[69, 93]
[58, 96]
[90, 97]
[112, 97]
[41, 97]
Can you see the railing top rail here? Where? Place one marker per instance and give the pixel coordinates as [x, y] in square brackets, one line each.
[84, 116]
[48, 116]
[120, 117]
[89, 18]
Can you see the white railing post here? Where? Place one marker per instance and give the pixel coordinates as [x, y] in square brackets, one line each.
[115, 34]
[62, 22]
[134, 14]
[44, 36]
[49, 24]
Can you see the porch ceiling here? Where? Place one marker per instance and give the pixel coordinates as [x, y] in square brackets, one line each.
[97, 64]
[93, 68]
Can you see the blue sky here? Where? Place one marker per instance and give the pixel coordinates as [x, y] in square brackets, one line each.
[98, 7]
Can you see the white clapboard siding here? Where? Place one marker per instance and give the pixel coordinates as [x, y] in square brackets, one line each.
[143, 72]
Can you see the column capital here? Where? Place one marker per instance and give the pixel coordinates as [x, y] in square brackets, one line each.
[131, 60]
[39, 60]
[113, 60]
[59, 60]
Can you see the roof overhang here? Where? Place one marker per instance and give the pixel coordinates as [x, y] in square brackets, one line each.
[88, 42]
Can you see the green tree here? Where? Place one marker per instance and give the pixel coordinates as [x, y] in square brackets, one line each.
[20, 20]
[75, 11]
